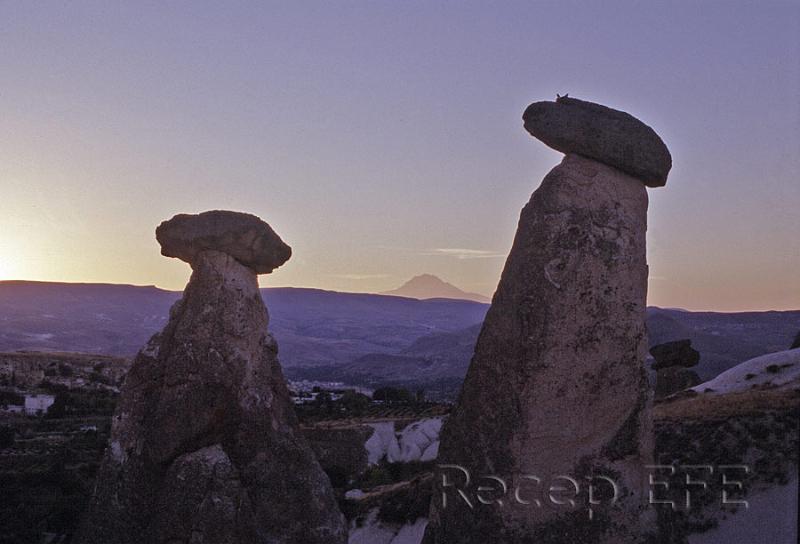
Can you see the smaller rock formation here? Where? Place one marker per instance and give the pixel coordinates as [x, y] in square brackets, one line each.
[205, 446]
[677, 353]
[610, 136]
[672, 363]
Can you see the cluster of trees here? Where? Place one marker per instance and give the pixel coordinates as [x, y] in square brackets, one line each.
[398, 395]
[7, 436]
[63, 370]
[71, 403]
[351, 403]
[11, 398]
[354, 404]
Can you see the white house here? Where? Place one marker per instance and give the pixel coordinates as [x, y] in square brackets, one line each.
[35, 404]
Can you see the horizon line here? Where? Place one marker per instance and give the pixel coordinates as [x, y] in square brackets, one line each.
[153, 286]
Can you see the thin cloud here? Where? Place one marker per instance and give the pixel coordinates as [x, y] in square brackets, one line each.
[464, 253]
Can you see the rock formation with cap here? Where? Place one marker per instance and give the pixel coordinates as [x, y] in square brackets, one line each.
[556, 396]
[672, 361]
[204, 444]
[244, 237]
[610, 136]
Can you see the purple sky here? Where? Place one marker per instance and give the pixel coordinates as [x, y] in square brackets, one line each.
[384, 139]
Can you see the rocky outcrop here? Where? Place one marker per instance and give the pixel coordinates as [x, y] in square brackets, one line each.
[610, 136]
[677, 353]
[28, 370]
[672, 363]
[204, 444]
[556, 391]
[796, 343]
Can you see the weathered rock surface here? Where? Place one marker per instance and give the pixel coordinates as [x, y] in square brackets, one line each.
[796, 343]
[677, 353]
[245, 237]
[557, 385]
[610, 136]
[204, 443]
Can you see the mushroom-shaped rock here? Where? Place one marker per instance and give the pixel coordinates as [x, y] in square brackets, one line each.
[245, 237]
[205, 446]
[610, 136]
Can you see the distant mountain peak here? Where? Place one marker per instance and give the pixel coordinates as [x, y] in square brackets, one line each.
[429, 286]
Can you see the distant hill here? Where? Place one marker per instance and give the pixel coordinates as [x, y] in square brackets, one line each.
[313, 327]
[724, 339]
[428, 286]
[363, 339]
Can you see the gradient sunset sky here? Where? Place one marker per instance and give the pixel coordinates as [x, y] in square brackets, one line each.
[384, 139]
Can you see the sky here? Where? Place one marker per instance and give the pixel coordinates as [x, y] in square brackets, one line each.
[383, 140]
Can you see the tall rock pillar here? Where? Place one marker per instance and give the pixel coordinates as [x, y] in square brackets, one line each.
[550, 438]
[204, 442]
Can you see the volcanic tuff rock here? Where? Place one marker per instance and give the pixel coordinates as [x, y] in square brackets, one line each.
[677, 353]
[557, 384]
[204, 443]
[557, 391]
[244, 237]
[610, 136]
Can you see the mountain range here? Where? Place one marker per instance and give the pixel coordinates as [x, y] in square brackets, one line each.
[363, 339]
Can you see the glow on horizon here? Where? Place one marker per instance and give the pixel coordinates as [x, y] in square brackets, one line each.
[382, 141]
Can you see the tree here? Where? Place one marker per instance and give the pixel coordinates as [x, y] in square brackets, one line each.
[59, 407]
[354, 402]
[393, 395]
[324, 402]
[6, 436]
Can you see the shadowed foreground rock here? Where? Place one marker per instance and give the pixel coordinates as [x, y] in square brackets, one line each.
[556, 395]
[204, 444]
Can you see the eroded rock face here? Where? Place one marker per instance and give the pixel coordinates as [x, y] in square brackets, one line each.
[204, 442]
[557, 384]
[677, 353]
[610, 136]
[245, 237]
